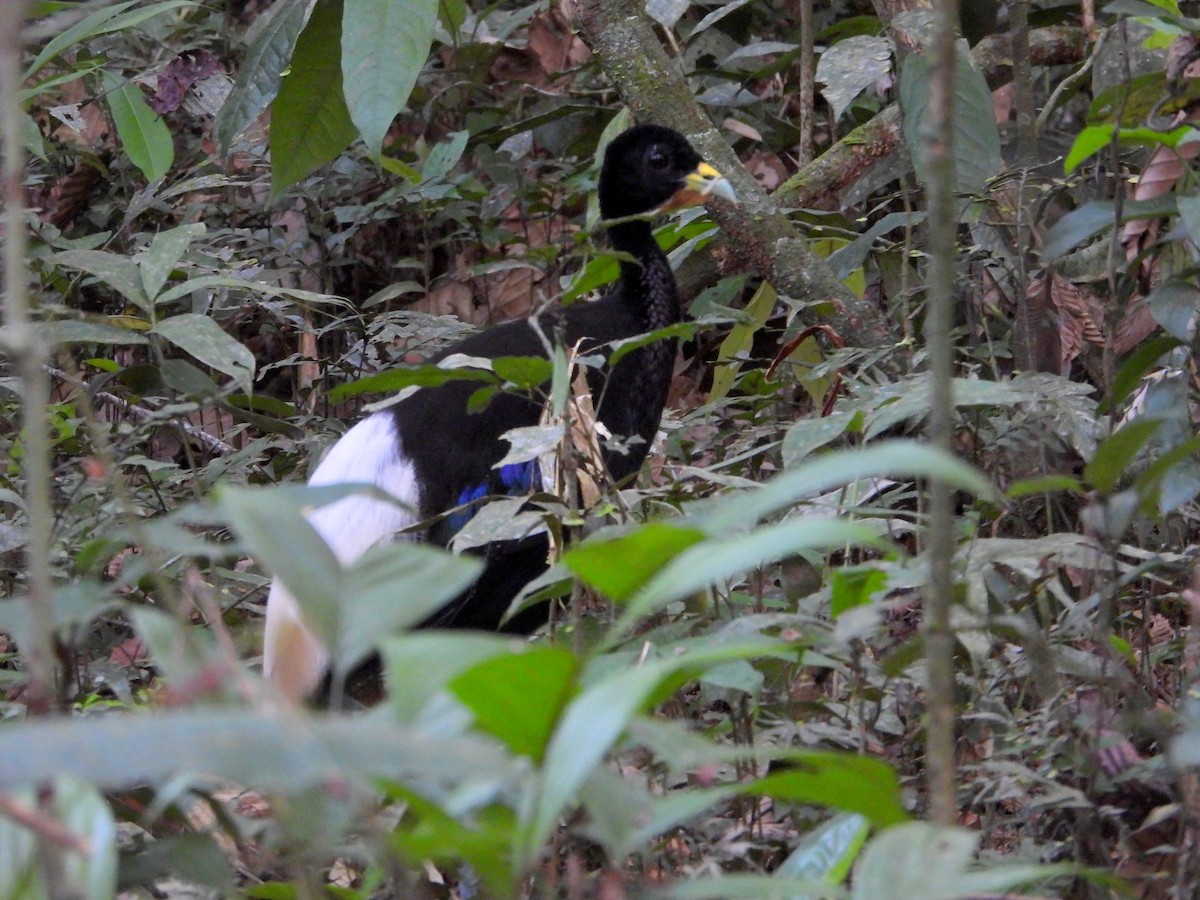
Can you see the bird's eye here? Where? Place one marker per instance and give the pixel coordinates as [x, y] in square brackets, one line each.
[658, 158]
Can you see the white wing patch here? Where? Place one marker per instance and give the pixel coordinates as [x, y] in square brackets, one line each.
[369, 453]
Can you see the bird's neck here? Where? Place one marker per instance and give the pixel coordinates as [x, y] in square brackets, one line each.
[647, 276]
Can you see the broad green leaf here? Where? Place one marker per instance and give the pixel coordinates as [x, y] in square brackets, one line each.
[310, 125]
[271, 751]
[1138, 363]
[1175, 305]
[262, 71]
[144, 136]
[518, 697]
[851, 66]
[721, 558]
[1094, 138]
[394, 380]
[392, 587]
[976, 136]
[621, 565]
[484, 840]
[399, 31]
[422, 664]
[92, 331]
[811, 434]
[272, 525]
[103, 21]
[918, 859]
[1080, 225]
[845, 781]
[1110, 463]
[740, 339]
[204, 339]
[525, 372]
[886, 459]
[592, 723]
[827, 852]
[854, 586]
[164, 254]
[118, 272]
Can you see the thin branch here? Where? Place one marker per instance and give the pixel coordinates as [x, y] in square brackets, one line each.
[30, 352]
[44, 826]
[939, 318]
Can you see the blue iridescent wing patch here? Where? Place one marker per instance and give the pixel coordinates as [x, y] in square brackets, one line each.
[515, 479]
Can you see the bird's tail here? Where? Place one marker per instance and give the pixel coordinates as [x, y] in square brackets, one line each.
[369, 453]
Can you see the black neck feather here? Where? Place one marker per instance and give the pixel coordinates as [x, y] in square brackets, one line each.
[646, 280]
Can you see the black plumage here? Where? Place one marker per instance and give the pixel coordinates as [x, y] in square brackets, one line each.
[434, 454]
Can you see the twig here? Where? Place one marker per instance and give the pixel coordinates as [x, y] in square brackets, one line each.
[30, 352]
[44, 826]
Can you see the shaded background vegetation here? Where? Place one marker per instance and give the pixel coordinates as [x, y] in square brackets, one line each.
[235, 244]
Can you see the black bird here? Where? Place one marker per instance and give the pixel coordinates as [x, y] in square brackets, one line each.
[436, 457]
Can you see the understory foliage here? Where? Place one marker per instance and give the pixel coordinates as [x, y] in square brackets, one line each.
[251, 221]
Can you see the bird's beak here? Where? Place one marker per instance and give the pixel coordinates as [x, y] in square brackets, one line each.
[698, 186]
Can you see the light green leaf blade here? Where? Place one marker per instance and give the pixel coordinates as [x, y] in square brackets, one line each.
[976, 136]
[262, 71]
[144, 136]
[203, 338]
[164, 253]
[102, 21]
[518, 697]
[399, 31]
[310, 125]
[718, 559]
[118, 272]
[392, 587]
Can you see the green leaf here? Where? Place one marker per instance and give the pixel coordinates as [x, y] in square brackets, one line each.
[262, 70]
[739, 341]
[642, 553]
[1089, 220]
[808, 435]
[976, 135]
[392, 587]
[420, 665]
[854, 587]
[118, 272]
[827, 852]
[918, 859]
[893, 459]
[284, 752]
[164, 254]
[103, 21]
[399, 31]
[518, 697]
[144, 136]
[717, 559]
[89, 331]
[1095, 138]
[204, 339]
[431, 375]
[310, 125]
[1110, 463]
[1138, 363]
[523, 372]
[1175, 305]
[844, 781]
[272, 525]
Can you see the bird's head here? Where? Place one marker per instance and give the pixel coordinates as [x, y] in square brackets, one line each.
[650, 168]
